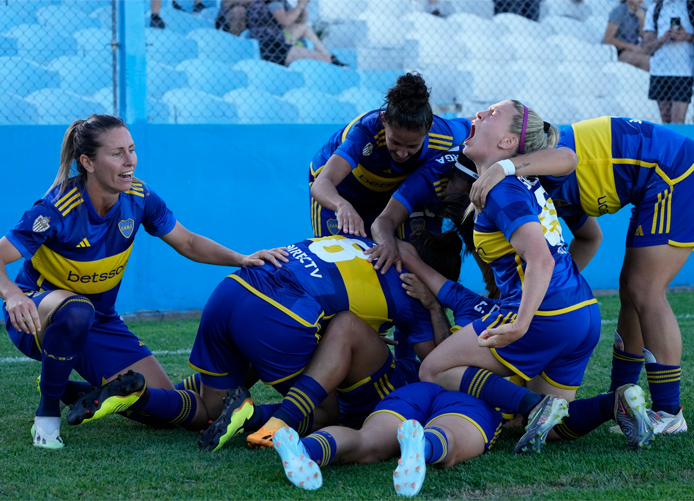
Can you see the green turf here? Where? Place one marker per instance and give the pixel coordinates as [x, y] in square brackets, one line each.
[116, 459]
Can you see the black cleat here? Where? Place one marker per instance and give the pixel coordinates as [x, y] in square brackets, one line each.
[114, 396]
[238, 409]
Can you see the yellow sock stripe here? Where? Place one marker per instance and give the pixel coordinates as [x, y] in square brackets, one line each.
[301, 397]
[444, 443]
[325, 447]
[477, 380]
[566, 432]
[626, 358]
[301, 428]
[185, 407]
[298, 403]
[310, 403]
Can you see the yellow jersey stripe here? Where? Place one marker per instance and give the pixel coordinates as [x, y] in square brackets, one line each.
[442, 136]
[65, 197]
[442, 148]
[655, 214]
[75, 204]
[136, 193]
[441, 141]
[65, 202]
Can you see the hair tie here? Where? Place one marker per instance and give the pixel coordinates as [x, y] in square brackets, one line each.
[525, 125]
[547, 126]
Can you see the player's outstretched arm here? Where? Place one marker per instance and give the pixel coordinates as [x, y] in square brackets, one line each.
[204, 250]
[555, 162]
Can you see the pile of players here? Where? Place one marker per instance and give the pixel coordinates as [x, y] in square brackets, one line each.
[310, 318]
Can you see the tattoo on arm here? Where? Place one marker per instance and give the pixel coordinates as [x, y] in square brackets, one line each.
[522, 166]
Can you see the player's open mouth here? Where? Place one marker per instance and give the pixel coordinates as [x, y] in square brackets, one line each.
[472, 132]
[127, 176]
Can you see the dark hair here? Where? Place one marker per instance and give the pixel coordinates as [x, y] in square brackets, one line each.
[82, 137]
[407, 104]
[441, 252]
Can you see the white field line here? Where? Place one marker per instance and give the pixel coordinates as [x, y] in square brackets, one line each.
[10, 360]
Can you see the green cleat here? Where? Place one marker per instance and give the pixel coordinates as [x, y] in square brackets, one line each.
[115, 396]
[46, 439]
[238, 409]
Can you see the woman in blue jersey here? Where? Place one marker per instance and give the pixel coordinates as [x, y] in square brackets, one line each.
[623, 161]
[549, 321]
[76, 242]
[354, 175]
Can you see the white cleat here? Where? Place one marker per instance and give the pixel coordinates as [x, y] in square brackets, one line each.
[297, 464]
[45, 432]
[666, 423]
[408, 477]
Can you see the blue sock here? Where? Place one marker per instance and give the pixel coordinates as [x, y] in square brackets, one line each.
[261, 413]
[435, 445]
[73, 389]
[192, 382]
[497, 391]
[585, 415]
[169, 406]
[664, 383]
[63, 342]
[321, 447]
[300, 401]
[626, 368]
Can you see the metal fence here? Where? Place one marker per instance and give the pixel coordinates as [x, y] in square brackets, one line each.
[208, 61]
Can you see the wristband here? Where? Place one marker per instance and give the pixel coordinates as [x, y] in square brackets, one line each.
[509, 168]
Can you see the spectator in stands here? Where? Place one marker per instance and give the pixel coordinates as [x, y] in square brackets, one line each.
[667, 37]
[624, 28]
[155, 21]
[525, 8]
[279, 29]
[232, 16]
[433, 8]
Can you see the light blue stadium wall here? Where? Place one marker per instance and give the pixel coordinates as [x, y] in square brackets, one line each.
[244, 186]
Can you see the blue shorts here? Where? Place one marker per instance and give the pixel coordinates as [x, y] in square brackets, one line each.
[426, 402]
[240, 327]
[324, 221]
[558, 346]
[359, 400]
[110, 347]
[663, 216]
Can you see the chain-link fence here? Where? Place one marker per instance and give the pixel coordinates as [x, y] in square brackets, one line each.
[326, 61]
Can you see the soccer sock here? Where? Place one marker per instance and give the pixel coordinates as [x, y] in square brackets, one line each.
[435, 445]
[192, 382]
[300, 401]
[306, 425]
[63, 342]
[261, 413]
[321, 447]
[626, 368]
[170, 406]
[664, 383]
[585, 415]
[497, 391]
[73, 389]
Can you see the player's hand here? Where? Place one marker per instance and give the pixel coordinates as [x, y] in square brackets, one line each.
[482, 186]
[23, 314]
[501, 336]
[273, 256]
[349, 221]
[416, 289]
[391, 342]
[385, 255]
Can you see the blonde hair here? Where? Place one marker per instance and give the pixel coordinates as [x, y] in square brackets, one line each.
[82, 137]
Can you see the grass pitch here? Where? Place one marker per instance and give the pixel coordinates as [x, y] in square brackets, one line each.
[115, 459]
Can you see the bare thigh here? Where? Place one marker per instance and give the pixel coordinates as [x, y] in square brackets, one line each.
[464, 439]
[153, 372]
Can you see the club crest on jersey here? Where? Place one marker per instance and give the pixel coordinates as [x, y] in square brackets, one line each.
[368, 150]
[417, 224]
[41, 224]
[332, 226]
[126, 227]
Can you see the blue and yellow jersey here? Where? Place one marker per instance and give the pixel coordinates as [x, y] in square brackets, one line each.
[618, 160]
[334, 272]
[375, 176]
[68, 245]
[511, 204]
[424, 188]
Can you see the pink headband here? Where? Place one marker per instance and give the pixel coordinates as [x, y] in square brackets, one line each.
[525, 124]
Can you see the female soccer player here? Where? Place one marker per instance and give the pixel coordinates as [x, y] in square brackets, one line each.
[457, 427]
[541, 290]
[354, 175]
[623, 161]
[76, 242]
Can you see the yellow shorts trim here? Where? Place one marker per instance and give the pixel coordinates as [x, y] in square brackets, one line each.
[203, 371]
[271, 383]
[474, 423]
[681, 244]
[509, 365]
[551, 313]
[385, 411]
[558, 385]
[355, 385]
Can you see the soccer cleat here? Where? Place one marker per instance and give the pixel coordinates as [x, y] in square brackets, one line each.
[44, 438]
[630, 414]
[238, 409]
[408, 477]
[115, 396]
[666, 423]
[262, 439]
[544, 416]
[297, 464]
